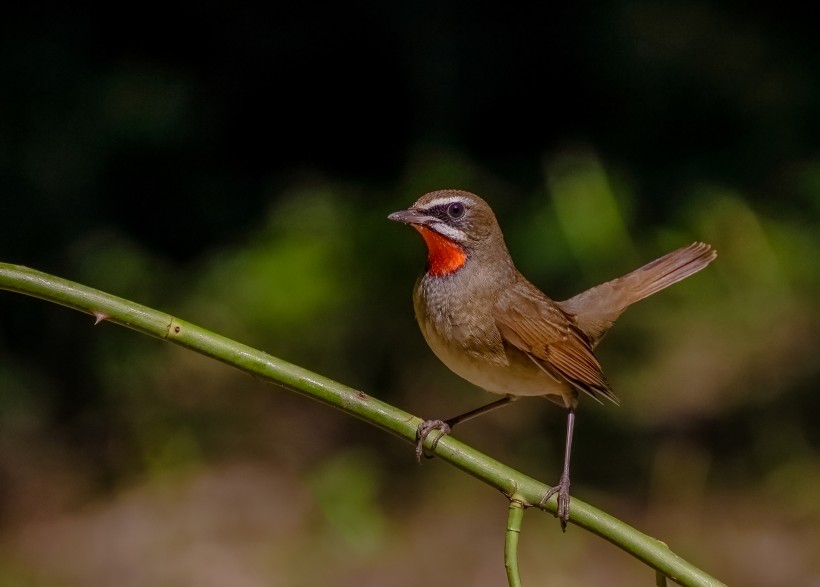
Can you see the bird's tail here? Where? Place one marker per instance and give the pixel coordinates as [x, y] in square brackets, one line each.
[597, 308]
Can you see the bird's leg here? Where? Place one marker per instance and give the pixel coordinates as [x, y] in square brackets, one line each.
[562, 489]
[445, 426]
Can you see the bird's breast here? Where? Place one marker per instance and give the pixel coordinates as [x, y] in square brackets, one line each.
[461, 332]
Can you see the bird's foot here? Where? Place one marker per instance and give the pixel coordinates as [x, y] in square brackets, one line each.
[562, 489]
[424, 430]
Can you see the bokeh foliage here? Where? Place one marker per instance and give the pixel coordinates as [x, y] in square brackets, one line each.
[235, 167]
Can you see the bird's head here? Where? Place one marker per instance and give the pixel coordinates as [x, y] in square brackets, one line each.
[456, 225]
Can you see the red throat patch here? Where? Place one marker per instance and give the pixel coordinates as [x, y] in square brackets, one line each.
[443, 255]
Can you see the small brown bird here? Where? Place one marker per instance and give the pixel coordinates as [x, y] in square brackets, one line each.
[495, 329]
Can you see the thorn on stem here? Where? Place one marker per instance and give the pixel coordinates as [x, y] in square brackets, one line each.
[100, 316]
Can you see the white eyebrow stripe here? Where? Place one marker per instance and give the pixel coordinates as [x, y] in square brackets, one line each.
[443, 201]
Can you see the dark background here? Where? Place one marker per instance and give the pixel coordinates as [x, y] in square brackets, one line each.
[235, 166]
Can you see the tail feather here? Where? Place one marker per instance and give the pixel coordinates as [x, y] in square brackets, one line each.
[597, 308]
[669, 269]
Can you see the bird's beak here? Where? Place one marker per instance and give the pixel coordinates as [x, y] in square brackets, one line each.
[410, 216]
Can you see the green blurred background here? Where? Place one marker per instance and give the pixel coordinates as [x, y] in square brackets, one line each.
[234, 166]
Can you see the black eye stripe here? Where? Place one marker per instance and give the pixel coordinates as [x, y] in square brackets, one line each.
[444, 211]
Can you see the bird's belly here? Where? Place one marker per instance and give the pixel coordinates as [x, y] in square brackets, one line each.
[503, 369]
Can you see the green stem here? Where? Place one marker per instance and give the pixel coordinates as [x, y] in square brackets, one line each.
[357, 403]
[514, 517]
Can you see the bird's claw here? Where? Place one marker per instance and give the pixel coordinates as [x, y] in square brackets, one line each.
[562, 489]
[424, 430]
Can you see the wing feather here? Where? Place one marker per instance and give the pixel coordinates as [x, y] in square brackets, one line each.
[537, 326]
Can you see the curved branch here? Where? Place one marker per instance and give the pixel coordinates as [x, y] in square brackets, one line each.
[510, 482]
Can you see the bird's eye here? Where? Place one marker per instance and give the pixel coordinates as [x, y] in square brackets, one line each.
[455, 210]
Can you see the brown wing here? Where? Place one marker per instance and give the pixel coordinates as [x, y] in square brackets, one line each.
[534, 324]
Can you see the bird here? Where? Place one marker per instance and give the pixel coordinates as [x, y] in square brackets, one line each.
[488, 324]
